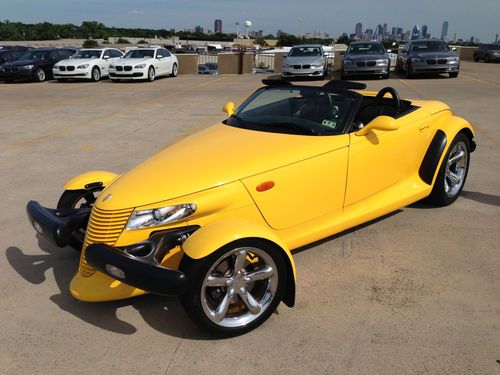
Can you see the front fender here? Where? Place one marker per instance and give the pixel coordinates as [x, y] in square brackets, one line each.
[213, 236]
[91, 179]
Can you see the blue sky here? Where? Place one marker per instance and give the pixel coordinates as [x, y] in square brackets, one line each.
[480, 18]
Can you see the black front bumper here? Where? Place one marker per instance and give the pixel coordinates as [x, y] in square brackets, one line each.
[57, 224]
[139, 265]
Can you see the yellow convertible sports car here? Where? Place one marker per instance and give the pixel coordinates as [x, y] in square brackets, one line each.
[215, 217]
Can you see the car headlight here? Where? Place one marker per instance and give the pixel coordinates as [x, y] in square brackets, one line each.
[416, 60]
[286, 65]
[159, 216]
[452, 60]
[348, 62]
[382, 62]
[319, 65]
[83, 66]
[111, 66]
[27, 67]
[140, 66]
[56, 67]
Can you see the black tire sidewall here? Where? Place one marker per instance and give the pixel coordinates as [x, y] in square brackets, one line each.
[438, 195]
[196, 270]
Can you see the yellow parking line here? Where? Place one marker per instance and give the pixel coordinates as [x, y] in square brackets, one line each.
[91, 121]
[421, 93]
[480, 80]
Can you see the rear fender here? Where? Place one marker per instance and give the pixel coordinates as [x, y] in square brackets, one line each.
[91, 180]
[213, 236]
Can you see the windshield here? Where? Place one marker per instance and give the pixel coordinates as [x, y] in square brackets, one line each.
[139, 53]
[366, 48]
[294, 110]
[305, 51]
[87, 54]
[430, 46]
[35, 55]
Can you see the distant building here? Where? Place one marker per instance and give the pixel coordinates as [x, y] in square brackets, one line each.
[455, 37]
[496, 38]
[218, 26]
[416, 32]
[444, 30]
[424, 32]
[359, 30]
[385, 29]
[199, 29]
[369, 33]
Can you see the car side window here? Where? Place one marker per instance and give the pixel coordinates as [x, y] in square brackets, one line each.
[64, 53]
[116, 53]
[53, 55]
[165, 53]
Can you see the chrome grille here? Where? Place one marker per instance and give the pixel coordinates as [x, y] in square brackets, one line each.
[442, 61]
[119, 68]
[127, 68]
[103, 227]
[62, 68]
[70, 68]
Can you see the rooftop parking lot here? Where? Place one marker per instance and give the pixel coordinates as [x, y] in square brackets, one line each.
[414, 292]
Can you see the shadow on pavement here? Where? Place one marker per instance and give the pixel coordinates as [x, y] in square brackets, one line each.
[163, 314]
[493, 200]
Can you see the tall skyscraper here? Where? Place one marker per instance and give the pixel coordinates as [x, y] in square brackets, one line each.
[496, 38]
[416, 32]
[199, 29]
[424, 32]
[218, 26]
[359, 30]
[444, 30]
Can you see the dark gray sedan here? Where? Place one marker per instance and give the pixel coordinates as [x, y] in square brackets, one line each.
[365, 58]
[428, 56]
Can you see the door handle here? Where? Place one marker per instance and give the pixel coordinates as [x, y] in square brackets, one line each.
[423, 127]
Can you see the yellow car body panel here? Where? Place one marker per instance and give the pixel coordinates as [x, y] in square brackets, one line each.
[80, 181]
[314, 187]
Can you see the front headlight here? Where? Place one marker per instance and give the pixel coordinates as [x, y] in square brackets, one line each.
[347, 62]
[286, 65]
[159, 216]
[382, 62]
[452, 60]
[319, 65]
[27, 67]
[83, 66]
[111, 66]
[140, 66]
[416, 60]
[56, 67]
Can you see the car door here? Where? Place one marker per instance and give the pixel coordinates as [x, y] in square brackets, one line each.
[381, 158]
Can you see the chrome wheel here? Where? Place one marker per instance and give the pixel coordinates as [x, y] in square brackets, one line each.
[239, 287]
[40, 75]
[151, 74]
[174, 70]
[456, 169]
[96, 74]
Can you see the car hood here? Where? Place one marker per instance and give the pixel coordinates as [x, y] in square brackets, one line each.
[303, 60]
[20, 63]
[215, 156]
[132, 61]
[75, 61]
[366, 56]
[435, 54]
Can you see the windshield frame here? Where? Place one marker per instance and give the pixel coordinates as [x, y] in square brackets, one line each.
[382, 51]
[345, 124]
[429, 42]
[100, 51]
[298, 48]
[127, 55]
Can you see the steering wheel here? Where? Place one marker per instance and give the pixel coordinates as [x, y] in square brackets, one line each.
[396, 101]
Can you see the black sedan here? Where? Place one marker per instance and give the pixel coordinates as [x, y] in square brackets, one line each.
[35, 64]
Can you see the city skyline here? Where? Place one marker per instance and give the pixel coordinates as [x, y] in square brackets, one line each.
[479, 19]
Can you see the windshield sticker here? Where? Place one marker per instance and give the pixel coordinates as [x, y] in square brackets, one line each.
[329, 124]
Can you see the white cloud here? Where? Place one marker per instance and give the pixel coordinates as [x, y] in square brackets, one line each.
[136, 12]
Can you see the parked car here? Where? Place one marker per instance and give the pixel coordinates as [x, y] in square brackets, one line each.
[487, 53]
[428, 56]
[305, 60]
[36, 64]
[8, 55]
[144, 63]
[15, 47]
[365, 58]
[208, 68]
[87, 63]
[214, 218]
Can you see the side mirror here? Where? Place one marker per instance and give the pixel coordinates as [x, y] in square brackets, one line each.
[159, 56]
[453, 48]
[384, 123]
[106, 57]
[389, 51]
[229, 108]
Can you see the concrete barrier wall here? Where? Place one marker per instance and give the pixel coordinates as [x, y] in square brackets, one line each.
[228, 63]
[188, 64]
[278, 61]
[466, 53]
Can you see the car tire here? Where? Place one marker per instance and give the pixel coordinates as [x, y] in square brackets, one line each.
[453, 75]
[151, 74]
[174, 70]
[40, 75]
[232, 305]
[476, 59]
[486, 59]
[343, 76]
[95, 74]
[77, 199]
[452, 173]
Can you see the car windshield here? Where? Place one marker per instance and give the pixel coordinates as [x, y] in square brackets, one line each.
[139, 53]
[366, 48]
[430, 46]
[87, 54]
[494, 47]
[35, 55]
[294, 110]
[304, 51]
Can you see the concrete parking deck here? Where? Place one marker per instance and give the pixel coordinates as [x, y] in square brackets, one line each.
[415, 292]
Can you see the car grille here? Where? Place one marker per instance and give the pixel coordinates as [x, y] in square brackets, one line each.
[119, 68]
[70, 68]
[305, 66]
[442, 61]
[371, 63]
[127, 68]
[62, 68]
[10, 70]
[431, 61]
[103, 227]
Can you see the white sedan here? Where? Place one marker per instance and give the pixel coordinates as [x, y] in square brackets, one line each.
[144, 63]
[87, 63]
